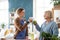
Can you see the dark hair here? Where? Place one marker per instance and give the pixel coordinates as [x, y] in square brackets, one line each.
[19, 10]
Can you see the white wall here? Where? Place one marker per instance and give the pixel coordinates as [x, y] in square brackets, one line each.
[56, 14]
[4, 12]
[39, 7]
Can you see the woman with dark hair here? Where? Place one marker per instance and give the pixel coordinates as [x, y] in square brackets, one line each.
[21, 27]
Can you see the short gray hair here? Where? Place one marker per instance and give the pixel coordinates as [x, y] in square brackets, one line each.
[50, 13]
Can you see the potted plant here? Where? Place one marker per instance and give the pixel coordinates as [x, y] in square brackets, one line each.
[55, 2]
[2, 25]
[47, 36]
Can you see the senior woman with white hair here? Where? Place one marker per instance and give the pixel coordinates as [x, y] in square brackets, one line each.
[49, 26]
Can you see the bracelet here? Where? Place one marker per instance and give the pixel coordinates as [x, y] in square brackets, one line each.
[27, 22]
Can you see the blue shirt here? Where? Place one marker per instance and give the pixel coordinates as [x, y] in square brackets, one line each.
[51, 28]
[22, 34]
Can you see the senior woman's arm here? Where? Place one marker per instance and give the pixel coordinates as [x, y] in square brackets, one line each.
[37, 27]
[55, 29]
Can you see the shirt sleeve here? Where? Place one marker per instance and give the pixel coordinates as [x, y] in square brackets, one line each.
[27, 31]
[37, 27]
[55, 29]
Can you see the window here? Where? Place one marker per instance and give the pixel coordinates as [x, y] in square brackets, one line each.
[39, 7]
[4, 12]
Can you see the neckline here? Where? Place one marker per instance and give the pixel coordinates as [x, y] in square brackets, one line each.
[48, 23]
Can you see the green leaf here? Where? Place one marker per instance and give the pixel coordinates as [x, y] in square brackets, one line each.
[34, 22]
[48, 36]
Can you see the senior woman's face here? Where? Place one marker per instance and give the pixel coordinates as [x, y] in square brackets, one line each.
[46, 15]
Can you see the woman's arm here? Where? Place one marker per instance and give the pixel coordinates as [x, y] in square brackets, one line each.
[19, 27]
[37, 27]
[16, 26]
[24, 26]
[55, 29]
[27, 31]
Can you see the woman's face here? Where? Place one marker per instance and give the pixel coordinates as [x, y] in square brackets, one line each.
[46, 15]
[22, 13]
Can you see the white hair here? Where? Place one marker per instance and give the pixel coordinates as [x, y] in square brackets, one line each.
[49, 13]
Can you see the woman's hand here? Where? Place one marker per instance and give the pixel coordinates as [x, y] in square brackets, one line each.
[30, 20]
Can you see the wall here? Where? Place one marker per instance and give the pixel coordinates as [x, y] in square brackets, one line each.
[27, 4]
